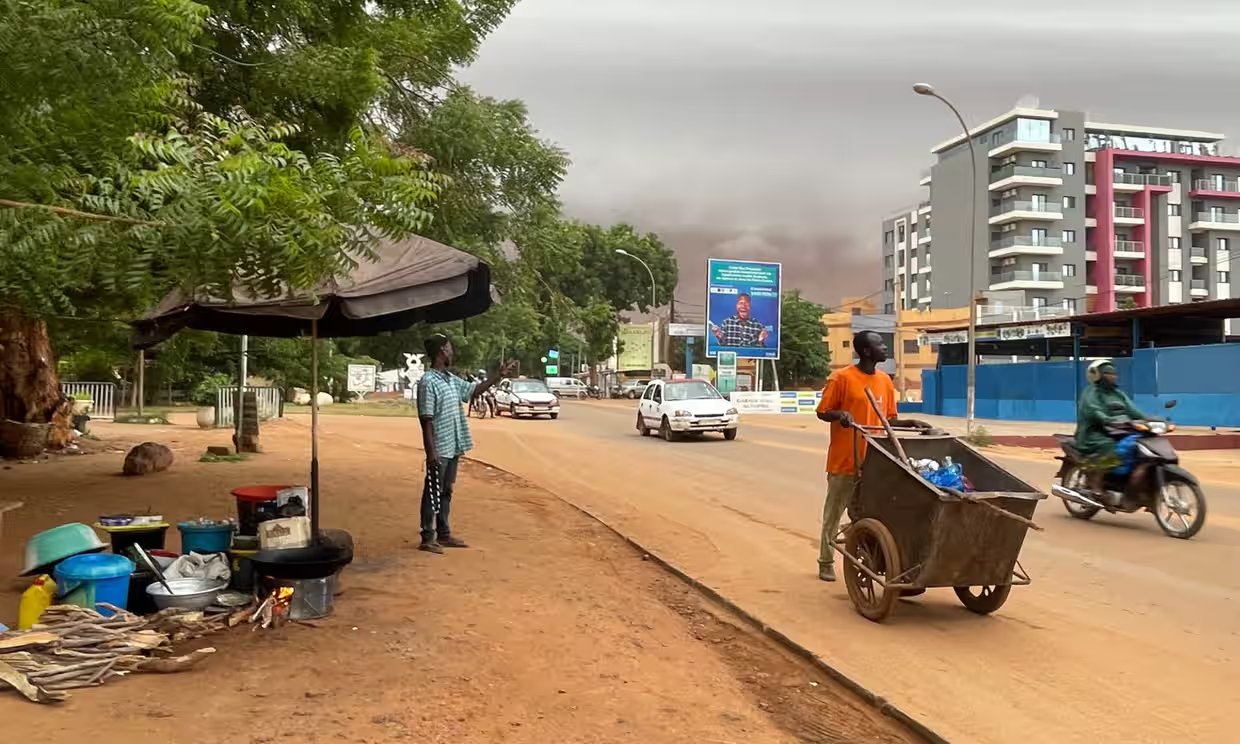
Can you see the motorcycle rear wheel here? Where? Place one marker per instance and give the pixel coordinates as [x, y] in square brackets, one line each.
[1076, 480]
[1176, 516]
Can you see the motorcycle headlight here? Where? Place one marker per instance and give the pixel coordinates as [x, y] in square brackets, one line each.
[1158, 427]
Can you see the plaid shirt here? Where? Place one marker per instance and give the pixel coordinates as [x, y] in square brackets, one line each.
[737, 332]
[441, 398]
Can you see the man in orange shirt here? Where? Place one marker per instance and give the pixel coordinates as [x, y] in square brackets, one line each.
[844, 404]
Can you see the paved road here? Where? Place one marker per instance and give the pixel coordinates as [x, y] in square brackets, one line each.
[1125, 635]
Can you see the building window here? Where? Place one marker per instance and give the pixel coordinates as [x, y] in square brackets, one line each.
[1033, 130]
[1174, 176]
[1037, 236]
[1173, 243]
[1175, 275]
[889, 236]
[1069, 169]
[1069, 269]
[1038, 164]
[1043, 268]
[1069, 135]
[1224, 277]
[1221, 244]
[900, 233]
[1173, 210]
[889, 309]
[1069, 304]
[910, 346]
[847, 344]
[1069, 236]
[1069, 202]
[1039, 302]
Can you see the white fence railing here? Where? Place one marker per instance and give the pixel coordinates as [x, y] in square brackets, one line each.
[269, 399]
[101, 394]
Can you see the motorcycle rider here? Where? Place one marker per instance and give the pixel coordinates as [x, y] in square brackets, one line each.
[1101, 401]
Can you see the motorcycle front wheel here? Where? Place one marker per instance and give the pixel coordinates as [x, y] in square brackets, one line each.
[1180, 509]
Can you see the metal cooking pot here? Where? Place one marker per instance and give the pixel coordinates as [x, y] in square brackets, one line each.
[314, 562]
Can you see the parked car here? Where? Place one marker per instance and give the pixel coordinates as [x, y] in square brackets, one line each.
[568, 387]
[631, 389]
[678, 407]
[525, 397]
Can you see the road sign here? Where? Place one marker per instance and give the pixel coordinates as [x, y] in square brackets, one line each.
[686, 330]
[726, 381]
[361, 378]
[553, 370]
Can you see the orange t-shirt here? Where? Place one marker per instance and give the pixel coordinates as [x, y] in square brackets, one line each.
[845, 391]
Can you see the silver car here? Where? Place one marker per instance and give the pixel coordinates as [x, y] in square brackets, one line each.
[568, 387]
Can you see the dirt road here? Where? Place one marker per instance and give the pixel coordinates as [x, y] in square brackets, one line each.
[549, 629]
[1125, 635]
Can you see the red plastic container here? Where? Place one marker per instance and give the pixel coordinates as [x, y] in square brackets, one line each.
[254, 502]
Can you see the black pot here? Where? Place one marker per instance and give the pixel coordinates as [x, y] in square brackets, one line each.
[314, 562]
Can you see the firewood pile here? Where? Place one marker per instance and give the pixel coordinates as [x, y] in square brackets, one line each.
[74, 647]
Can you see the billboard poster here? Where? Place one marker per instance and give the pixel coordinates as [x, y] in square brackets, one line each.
[361, 378]
[743, 308]
[636, 352]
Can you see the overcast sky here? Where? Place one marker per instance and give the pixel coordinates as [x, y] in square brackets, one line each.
[786, 129]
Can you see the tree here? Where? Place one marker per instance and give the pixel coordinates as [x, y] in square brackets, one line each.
[804, 357]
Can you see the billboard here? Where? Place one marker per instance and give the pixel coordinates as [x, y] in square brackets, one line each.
[636, 339]
[361, 378]
[743, 308]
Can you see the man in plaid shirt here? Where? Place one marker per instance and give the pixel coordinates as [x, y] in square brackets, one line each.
[442, 401]
[740, 330]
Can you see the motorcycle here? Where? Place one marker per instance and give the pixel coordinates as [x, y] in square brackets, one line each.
[1155, 483]
[594, 391]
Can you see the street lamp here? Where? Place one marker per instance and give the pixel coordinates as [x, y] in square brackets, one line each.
[623, 252]
[924, 89]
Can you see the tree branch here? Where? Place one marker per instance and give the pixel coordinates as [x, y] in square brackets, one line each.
[75, 213]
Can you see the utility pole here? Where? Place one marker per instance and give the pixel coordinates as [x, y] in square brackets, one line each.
[139, 392]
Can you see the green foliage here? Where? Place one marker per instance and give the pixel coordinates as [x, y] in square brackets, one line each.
[980, 437]
[206, 392]
[804, 358]
[1126, 303]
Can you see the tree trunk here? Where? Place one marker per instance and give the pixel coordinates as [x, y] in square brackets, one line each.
[29, 386]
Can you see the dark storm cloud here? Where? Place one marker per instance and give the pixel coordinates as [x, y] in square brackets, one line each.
[786, 129]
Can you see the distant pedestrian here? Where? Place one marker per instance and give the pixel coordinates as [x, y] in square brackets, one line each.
[442, 401]
[845, 405]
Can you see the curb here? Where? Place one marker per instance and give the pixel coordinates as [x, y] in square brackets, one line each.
[869, 697]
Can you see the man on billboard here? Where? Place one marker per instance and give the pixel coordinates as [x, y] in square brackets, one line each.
[739, 329]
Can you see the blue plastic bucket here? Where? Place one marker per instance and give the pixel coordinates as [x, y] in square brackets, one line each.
[88, 580]
[198, 539]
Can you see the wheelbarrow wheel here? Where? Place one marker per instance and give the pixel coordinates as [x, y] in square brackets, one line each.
[875, 549]
[983, 599]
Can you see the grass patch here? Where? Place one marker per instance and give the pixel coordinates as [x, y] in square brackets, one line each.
[397, 408]
[208, 457]
[146, 418]
[980, 437]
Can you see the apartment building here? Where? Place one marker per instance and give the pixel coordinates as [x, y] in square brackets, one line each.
[1069, 215]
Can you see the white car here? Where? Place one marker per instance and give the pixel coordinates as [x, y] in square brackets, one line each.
[676, 407]
[568, 387]
[524, 397]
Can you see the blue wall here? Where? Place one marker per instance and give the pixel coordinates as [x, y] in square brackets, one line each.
[1204, 380]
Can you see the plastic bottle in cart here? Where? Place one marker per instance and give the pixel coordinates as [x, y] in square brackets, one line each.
[951, 475]
[35, 601]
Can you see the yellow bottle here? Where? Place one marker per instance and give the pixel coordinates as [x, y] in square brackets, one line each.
[35, 600]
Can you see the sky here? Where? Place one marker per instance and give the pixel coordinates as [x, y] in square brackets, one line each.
[786, 129]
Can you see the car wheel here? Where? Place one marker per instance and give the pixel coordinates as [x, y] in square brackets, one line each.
[641, 425]
[730, 434]
[665, 431]
[512, 411]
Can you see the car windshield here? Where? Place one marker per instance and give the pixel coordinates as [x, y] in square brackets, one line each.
[691, 391]
[528, 386]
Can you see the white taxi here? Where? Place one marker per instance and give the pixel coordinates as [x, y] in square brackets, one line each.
[678, 407]
[525, 397]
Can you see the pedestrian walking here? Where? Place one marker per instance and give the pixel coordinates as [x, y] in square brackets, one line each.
[844, 404]
[443, 399]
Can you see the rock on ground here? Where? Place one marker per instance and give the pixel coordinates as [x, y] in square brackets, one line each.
[147, 457]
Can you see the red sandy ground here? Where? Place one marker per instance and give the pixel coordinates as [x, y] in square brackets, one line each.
[549, 630]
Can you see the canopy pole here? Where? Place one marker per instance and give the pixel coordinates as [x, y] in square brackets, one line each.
[314, 429]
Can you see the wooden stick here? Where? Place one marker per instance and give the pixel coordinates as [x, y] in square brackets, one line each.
[66, 212]
[895, 441]
[986, 503]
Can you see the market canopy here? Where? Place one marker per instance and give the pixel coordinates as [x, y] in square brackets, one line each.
[415, 280]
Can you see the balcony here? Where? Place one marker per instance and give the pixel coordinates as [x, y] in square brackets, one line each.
[1199, 255]
[1028, 245]
[1216, 221]
[1012, 210]
[1012, 143]
[996, 314]
[1198, 288]
[1024, 175]
[923, 237]
[1026, 280]
[1129, 215]
[923, 207]
[1129, 249]
[1211, 187]
[925, 177]
[1138, 181]
[1130, 283]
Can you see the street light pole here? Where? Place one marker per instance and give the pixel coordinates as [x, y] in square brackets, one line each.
[924, 89]
[653, 320]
